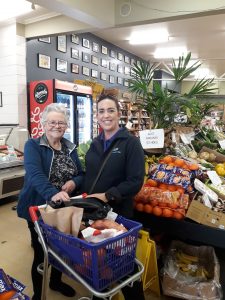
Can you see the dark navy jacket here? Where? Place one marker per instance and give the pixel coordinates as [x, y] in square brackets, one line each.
[123, 174]
[37, 189]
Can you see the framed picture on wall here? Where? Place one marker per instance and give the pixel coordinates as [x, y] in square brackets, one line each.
[111, 79]
[104, 50]
[85, 57]
[104, 63]
[85, 71]
[95, 60]
[95, 47]
[120, 56]
[127, 59]
[132, 61]
[120, 69]
[61, 65]
[61, 43]
[126, 82]
[44, 61]
[112, 66]
[46, 39]
[85, 43]
[75, 39]
[127, 70]
[94, 73]
[103, 76]
[75, 68]
[112, 53]
[119, 80]
[74, 53]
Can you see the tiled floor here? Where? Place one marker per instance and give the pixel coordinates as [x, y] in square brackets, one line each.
[16, 253]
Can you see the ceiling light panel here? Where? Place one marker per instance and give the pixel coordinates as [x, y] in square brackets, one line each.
[170, 52]
[149, 37]
[14, 8]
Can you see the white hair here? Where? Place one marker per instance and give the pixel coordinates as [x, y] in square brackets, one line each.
[55, 107]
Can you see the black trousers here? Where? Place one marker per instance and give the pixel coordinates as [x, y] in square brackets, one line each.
[55, 276]
[135, 292]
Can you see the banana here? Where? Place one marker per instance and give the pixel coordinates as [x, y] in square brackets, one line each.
[182, 259]
[206, 273]
[188, 258]
[146, 168]
[184, 269]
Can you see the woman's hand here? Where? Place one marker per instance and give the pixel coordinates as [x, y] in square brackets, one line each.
[61, 196]
[100, 196]
[69, 186]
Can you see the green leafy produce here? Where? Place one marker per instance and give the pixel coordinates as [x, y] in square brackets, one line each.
[81, 151]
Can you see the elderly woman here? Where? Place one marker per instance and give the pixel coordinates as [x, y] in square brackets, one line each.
[53, 172]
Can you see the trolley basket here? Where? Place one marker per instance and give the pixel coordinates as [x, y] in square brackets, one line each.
[98, 264]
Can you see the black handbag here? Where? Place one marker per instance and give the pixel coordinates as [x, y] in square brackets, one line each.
[94, 209]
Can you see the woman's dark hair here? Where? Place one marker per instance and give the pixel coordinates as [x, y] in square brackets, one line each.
[109, 97]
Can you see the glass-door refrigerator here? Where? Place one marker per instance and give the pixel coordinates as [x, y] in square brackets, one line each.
[76, 98]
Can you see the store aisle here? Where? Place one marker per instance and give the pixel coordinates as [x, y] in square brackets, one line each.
[16, 253]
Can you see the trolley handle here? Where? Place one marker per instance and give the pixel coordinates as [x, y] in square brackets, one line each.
[33, 209]
[33, 213]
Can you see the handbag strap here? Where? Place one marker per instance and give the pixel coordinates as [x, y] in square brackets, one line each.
[102, 166]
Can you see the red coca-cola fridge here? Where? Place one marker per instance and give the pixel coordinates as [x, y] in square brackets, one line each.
[76, 98]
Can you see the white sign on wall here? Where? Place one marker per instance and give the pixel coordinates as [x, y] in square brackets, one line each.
[151, 139]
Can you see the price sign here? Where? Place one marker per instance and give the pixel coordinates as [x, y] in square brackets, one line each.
[152, 139]
[214, 177]
[222, 144]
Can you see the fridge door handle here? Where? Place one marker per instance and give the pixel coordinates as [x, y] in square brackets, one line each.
[77, 127]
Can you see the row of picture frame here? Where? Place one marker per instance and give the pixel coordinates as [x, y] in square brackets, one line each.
[75, 39]
[62, 66]
[111, 65]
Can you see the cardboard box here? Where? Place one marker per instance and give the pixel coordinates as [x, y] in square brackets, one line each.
[184, 286]
[204, 215]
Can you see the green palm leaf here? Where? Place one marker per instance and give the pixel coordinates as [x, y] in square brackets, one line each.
[181, 71]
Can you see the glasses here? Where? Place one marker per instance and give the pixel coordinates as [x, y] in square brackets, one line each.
[55, 123]
[110, 111]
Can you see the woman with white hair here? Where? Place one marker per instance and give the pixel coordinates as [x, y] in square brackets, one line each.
[53, 172]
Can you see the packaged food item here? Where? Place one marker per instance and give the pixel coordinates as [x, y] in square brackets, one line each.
[10, 288]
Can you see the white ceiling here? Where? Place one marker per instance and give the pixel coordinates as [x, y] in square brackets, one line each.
[203, 36]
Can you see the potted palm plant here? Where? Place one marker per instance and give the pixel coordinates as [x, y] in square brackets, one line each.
[163, 105]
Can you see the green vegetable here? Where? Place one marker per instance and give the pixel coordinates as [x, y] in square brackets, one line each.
[81, 151]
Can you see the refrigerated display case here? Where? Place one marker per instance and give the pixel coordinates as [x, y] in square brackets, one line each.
[12, 140]
[76, 98]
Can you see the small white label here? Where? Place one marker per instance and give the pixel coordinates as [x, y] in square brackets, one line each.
[186, 138]
[213, 221]
[151, 139]
[129, 125]
[222, 144]
[174, 140]
[206, 201]
[214, 177]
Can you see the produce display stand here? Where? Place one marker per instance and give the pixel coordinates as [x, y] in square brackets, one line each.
[52, 255]
[183, 229]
